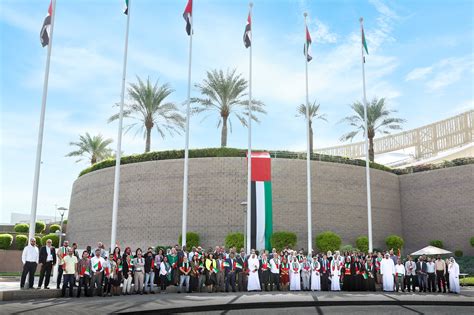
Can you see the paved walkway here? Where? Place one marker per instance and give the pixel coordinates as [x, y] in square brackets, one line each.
[233, 302]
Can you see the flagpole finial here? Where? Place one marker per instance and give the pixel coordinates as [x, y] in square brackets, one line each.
[250, 4]
[361, 19]
[305, 14]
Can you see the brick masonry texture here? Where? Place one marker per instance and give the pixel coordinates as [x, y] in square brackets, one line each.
[150, 207]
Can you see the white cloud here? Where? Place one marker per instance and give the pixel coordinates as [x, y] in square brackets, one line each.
[419, 73]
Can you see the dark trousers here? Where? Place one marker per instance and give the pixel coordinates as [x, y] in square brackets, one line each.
[60, 276]
[83, 283]
[96, 282]
[242, 281]
[107, 285]
[441, 280]
[275, 281]
[164, 281]
[431, 282]
[45, 272]
[29, 268]
[230, 278]
[422, 282]
[410, 280]
[324, 282]
[68, 281]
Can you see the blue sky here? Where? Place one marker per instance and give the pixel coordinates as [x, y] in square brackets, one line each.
[421, 60]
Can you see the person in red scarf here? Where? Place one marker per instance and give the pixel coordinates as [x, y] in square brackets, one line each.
[285, 274]
[185, 270]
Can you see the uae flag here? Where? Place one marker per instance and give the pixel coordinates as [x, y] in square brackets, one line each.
[364, 43]
[187, 15]
[248, 33]
[307, 46]
[125, 9]
[261, 222]
[46, 29]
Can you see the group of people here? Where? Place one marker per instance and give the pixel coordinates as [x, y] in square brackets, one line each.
[105, 274]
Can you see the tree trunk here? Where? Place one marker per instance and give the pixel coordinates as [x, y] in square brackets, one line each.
[311, 137]
[93, 160]
[224, 132]
[371, 148]
[148, 139]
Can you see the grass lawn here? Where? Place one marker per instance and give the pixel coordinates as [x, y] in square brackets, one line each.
[467, 281]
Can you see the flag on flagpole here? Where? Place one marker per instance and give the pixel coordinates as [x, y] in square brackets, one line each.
[248, 33]
[46, 29]
[125, 9]
[364, 43]
[307, 45]
[187, 15]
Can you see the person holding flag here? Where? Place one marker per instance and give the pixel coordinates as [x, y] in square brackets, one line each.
[70, 272]
[230, 270]
[185, 270]
[275, 264]
[211, 272]
[62, 252]
[253, 283]
[97, 268]
[83, 268]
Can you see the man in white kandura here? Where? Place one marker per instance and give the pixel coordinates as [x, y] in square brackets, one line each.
[295, 279]
[315, 276]
[335, 273]
[387, 270]
[253, 281]
[454, 276]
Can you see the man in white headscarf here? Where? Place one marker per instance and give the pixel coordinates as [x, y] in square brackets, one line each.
[253, 283]
[454, 276]
[387, 270]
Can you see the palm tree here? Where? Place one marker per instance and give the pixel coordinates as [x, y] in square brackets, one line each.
[225, 94]
[149, 109]
[314, 113]
[94, 148]
[378, 120]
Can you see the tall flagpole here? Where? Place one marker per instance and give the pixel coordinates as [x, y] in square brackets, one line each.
[39, 146]
[249, 152]
[186, 144]
[308, 150]
[367, 164]
[118, 153]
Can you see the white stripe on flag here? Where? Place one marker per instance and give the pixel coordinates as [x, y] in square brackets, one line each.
[260, 203]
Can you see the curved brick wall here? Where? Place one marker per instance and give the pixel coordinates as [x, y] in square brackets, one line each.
[151, 201]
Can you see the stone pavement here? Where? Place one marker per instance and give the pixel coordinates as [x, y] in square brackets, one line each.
[233, 302]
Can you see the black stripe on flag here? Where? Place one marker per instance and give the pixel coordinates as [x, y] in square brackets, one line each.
[253, 216]
[44, 34]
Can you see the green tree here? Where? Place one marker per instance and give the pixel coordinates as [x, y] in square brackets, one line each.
[149, 108]
[95, 148]
[235, 240]
[225, 94]
[362, 243]
[192, 240]
[379, 120]
[314, 113]
[395, 242]
[280, 240]
[328, 241]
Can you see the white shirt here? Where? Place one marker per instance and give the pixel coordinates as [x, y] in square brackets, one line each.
[400, 269]
[94, 261]
[430, 267]
[48, 251]
[30, 254]
[273, 266]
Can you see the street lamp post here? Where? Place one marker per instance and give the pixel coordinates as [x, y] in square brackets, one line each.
[244, 206]
[62, 211]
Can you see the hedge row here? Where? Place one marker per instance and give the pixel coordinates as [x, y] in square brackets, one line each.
[234, 152]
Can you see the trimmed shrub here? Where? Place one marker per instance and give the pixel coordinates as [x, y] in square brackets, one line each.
[21, 228]
[54, 227]
[458, 253]
[192, 239]
[53, 237]
[472, 241]
[6, 241]
[328, 241]
[437, 243]
[395, 242]
[64, 222]
[280, 240]
[234, 240]
[40, 227]
[163, 247]
[348, 248]
[38, 240]
[21, 241]
[362, 243]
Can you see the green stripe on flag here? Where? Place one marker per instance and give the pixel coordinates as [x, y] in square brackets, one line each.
[268, 214]
[364, 42]
[125, 9]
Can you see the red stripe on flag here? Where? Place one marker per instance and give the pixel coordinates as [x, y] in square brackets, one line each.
[308, 36]
[189, 7]
[261, 167]
[50, 9]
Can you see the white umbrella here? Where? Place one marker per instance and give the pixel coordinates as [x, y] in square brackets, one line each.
[431, 250]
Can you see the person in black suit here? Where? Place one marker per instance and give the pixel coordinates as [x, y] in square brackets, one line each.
[230, 270]
[47, 259]
[421, 271]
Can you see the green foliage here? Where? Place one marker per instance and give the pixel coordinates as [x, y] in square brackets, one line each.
[395, 242]
[192, 239]
[234, 240]
[280, 240]
[458, 253]
[53, 237]
[54, 227]
[328, 241]
[163, 247]
[472, 241]
[467, 281]
[40, 227]
[466, 264]
[94, 148]
[429, 167]
[65, 222]
[348, 248]
[362, 243]
[21, 228]
[437, 243]
[6, 241]
[21, 241]
[38, 240]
